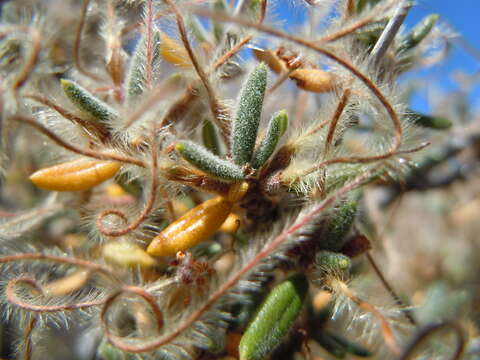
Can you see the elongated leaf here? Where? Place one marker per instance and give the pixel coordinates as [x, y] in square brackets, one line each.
[274, 318]
[88, 103]
[209, 137]
[208, 162]
[245, 126]
[337, 227]
[418, 33]
[277, 127]
[136, 73]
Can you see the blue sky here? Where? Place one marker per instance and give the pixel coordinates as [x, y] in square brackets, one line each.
[460, 15]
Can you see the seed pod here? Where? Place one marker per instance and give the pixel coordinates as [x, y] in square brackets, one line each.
[68, 284]
[195, 226]
[231, 224]
[88, 103]
[209, 137]
[136, 74]
[271, 59]
[174, 52]
[274, 318]
[76, 175]
[418, 33]
[126, 254]
[245, 126]
[208, 162]
[339, 224]
[314, 80]
[277, 127]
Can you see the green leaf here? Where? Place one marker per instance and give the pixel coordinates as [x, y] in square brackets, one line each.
[136, 73]
[208, 162]
[245, 126]
[274, 318]
[209, 137]
[276, 128]
[328, 261]
[88, 103]
[433, 122]
[339, 224]
[418, 33]
[197, 29]
[217, 27]
[362, 4]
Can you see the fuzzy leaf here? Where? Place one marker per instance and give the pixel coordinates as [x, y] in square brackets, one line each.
[274, 318]
[433, 122]
[245, 126]
[338, 226]
[208, 162]
[197, 29]
[136, 73]
[332, 262]
[209, 137]
[418, 33]
[88, 103]
[276, 128]
[217, 27]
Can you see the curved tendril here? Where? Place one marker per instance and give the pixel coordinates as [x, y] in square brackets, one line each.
[149, 298]
[59, 259]
[332, 56]
[430, 331]
[237, 276]
[86, 152]
[14, 299]
[78, 42]
[147, 208]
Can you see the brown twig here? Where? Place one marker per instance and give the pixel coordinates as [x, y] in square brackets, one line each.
[329, 54]
[429, 332]
[27, 338]
[12, 297]
[245, 40]
[89, 126]
[215, 106]
[78, 42]
[23, 75]
[86, 152]
[349, 29]
[149, 44]
[148, 205]
[387, 332]
[390, 289]
[267, 250]
[333, 123]
[58, 259]
[225, 57]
